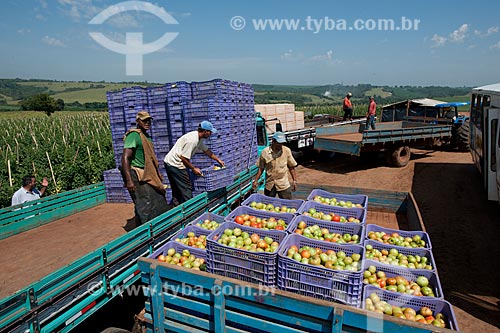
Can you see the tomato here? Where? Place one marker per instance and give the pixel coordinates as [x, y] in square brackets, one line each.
[279, 227]
[305, 254]
[336, 218]
[239, 219]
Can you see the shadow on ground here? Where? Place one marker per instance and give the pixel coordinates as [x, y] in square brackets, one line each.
[465, 231]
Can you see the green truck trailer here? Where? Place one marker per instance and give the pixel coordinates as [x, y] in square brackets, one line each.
[62, 300]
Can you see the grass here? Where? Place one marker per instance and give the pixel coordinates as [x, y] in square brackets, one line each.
[378, 92]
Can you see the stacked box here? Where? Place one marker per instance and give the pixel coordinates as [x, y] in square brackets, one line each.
[178, 108]
[116, 192]
[283, 114]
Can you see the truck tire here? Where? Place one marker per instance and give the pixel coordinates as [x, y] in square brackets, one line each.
[401, 156]
[462, 136]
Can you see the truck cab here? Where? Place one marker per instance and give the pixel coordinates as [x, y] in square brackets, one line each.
[485, 136]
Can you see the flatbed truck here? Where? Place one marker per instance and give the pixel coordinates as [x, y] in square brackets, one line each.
[394, 138]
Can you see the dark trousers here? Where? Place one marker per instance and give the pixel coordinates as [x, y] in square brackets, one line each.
[182, 189]
[149, 203]
[347, 114]
[285, 194]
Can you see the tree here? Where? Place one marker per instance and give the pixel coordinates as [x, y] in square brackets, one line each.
[42, 102]
[59, 104]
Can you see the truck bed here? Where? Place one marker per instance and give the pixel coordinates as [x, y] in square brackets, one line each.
[29, 256]
[353, 139]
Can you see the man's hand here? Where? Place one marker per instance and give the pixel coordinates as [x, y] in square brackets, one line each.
[221, 162]
[197, 171]
[130, 186]
[45, 182]
[294, 186]
[254, 184]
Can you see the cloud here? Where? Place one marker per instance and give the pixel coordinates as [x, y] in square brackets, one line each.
[40, 17]
[53, 41]
[43, 3]
[288, 55]
[23, 31]
[78, 9]
[123, 21]
[327, 93]
[495, 46]
[438, 41]
[459, 35]
[489, 32]
[323, 57]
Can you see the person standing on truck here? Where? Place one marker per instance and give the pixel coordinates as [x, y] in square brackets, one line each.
[277, 160]
[347, 107]
[29, 192]
[140, 171]
[177, 161]
[370, 115]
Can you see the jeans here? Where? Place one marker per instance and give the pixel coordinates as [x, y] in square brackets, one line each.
[370, 121]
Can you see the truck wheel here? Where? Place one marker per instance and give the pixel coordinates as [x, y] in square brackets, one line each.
[401, 156]
[462, 136]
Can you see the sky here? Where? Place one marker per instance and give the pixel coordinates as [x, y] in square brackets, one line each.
[385, 42]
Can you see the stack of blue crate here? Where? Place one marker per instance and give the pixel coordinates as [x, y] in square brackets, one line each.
[179, 107]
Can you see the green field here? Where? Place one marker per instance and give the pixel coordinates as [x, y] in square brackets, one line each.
[378, 92]
[71, 149]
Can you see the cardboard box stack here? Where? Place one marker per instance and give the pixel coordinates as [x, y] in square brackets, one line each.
[285, 113]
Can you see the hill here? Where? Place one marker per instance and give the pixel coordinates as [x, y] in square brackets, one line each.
[86, 94]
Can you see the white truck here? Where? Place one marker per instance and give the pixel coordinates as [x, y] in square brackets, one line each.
[485, 136]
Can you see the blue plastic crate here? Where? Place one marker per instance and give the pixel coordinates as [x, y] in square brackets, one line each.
[214, 179]
[206, 216]
[316, 281]
[422, 252]
[179, 247]
[287, 217]
[407, 301]
[255, 267]
[197, 231]
[276, 202]
[409, 274]
[333, 227]
[354, 198]
[423, 235]
[358, 213]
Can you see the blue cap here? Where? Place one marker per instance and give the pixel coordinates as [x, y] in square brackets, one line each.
[207, 126]
[279, 137]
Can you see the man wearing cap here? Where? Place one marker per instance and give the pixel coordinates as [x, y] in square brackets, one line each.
[140, 171]
[370, 115]
[178, 161]
[278, 162]
[347, 107]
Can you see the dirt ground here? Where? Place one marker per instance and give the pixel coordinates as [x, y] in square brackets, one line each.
[464, 228]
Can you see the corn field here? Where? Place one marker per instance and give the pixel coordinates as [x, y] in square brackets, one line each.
[336, 110]
[70, 149]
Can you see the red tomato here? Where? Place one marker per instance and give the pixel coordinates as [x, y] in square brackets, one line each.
[336, 218]
[279, 227]
[239, 219]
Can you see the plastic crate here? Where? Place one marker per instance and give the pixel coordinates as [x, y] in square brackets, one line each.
[263, 214]
[214, 179]
[409, 274]
[358, 213]
[316, 281]
[422, 252]
[274, 201]
[333, 227]
[404, 233]
[255, 267]
[190, 228]
[402, 300]
[207, 216]
[179, 247]
[354, 198]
